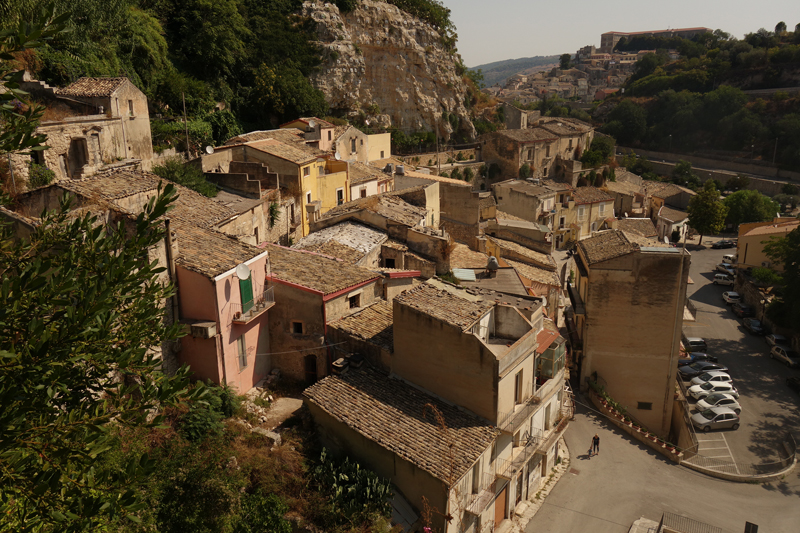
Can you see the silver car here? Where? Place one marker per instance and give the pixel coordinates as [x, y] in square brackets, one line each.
[719, 399]
[698, 392]
[731, 297]
[776, 340]
[715, 418]
[714, 376]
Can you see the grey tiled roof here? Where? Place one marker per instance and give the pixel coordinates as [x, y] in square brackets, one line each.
[443, 305]
[374, 324]
[642, 226]
[591, 195]
[361, 173]
[399, 418]
[387, 205]
[314, 271]
[606, 245]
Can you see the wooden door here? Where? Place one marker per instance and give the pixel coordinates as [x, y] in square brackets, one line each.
[500, 506]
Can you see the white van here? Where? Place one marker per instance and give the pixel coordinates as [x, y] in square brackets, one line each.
[722, 279]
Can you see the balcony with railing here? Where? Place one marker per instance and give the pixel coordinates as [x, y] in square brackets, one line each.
[249, 311]
[511, 421]
[537, 442]
[575, 299]
[483, 496]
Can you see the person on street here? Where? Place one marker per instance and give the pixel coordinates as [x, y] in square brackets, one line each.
[596, 444]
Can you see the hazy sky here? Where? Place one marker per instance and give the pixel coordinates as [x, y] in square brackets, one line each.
[492, 30]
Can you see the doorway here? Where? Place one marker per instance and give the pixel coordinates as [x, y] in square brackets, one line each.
[500, 506]
[311, 369]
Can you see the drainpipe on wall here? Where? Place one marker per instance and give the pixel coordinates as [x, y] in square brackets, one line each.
[124, 136]
[218, 337]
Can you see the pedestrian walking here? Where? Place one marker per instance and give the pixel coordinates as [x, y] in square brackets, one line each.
[596, 444]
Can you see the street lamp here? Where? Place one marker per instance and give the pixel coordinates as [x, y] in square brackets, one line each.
[670, 142]
[752, 150]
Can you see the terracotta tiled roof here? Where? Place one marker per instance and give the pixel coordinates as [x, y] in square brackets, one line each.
[439, 179]
[463, 257]
[556, 185]
[591, 195]
[529, 188]
[673, 215]
[398, 417]
[443, 305]
[606, 245]
[289, 152]
[338, 131]
[92, 87]
[664, 189]
[361, 173]
[209, 252]
[536, 258]
[642, 226]
[354, 241]
[774, 229]
[373, 324]
[539, 275]
[306, 120]
[314, 271]
[285, 135]
[338, 251]
[623, 187]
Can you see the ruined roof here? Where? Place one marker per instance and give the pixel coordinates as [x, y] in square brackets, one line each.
[528, 188]
[398, 417]
[92, 87]
[314, 271]
[673, 215]
[373, 324]
[487, 201]
[642, 226]
[443, 305]
[113, 185]
[528, 135]
[388, 205]
[623, 187]
[606, 245]
[210, 252]
[591, 195]
[508, 216]
[353, 238]
[338, 131]
[556, 185]
[361, 173]
[537, 258]
[539, 275]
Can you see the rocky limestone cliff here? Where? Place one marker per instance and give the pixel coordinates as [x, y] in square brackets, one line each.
[378, 54]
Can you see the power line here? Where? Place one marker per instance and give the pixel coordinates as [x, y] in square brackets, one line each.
[303, 350]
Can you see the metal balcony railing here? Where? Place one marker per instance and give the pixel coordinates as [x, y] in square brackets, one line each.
[539, 441]
[244, 313]
[513, 420]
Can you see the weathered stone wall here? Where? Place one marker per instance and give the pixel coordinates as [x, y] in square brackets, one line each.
[378, 54]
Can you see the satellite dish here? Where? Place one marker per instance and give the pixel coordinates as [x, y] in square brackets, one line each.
[312, 124]
[209, 150]
[242, 271]
[338, 156]
[666, 240]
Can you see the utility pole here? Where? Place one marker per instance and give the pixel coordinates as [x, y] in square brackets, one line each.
[775, 153]
[186, 126]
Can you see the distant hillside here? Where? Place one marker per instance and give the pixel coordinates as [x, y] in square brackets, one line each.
[499, 71]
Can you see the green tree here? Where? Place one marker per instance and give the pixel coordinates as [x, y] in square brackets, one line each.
[738, 183]
[84, 309]
[468, 174]
[683, 174]
[780, 28]
[750, 206]
[789, 188]
[706, 211]
[786, 251]
[525, 171]
[565, 61]
[627, 122]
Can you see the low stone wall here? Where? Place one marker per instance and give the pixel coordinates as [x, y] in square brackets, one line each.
[648, 439]
[429, 159]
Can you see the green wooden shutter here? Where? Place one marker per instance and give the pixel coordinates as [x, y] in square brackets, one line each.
[246, 292]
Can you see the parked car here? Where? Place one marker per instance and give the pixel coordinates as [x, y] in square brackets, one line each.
[785, 355]
[719, 399]
[724, 243]
[713, 376]
[753, 326]
[698, 392]
[741, 310]
[693, 370]
[725, 268]
[731, 297]
[776, 340]
[794, 383]
[694, 344]
[722, 279]
[730, 258]
[716, 418]
[696, 357]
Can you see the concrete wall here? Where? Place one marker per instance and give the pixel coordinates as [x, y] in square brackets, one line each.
[632, 327]
[337, 307]
[379, 146]
[426, 351]
[294, 304]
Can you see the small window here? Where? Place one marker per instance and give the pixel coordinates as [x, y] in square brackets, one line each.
[645, 406]
[362, 142]
[547, 151]
[308, 197]
[381, 154]
[354, 301]
[297, 328]
[518, 388]
[242, 348]
[329, 135]
[389, 263]
[306, 171]
[339, 196]
[602, 209]
[353, 145]
[130, 108]
[570, 144]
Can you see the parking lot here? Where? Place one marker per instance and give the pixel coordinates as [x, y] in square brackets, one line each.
[769, 407]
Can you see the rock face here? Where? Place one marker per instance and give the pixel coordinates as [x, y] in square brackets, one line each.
[378, 54]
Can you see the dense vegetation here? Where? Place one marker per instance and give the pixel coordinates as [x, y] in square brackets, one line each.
[697, 103]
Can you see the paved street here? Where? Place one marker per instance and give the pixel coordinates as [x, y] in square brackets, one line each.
[607, 493]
